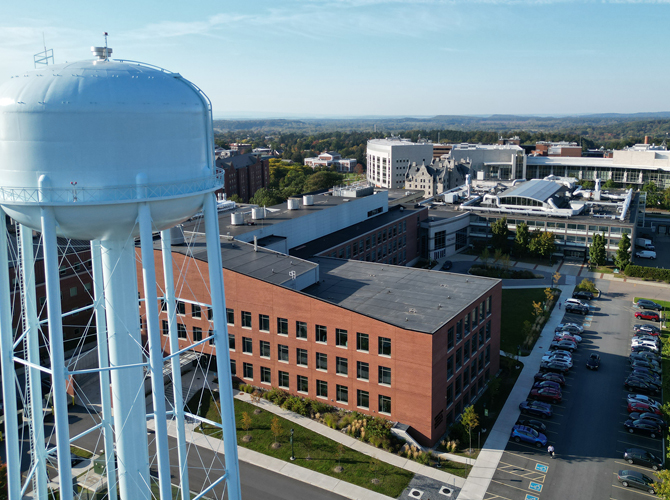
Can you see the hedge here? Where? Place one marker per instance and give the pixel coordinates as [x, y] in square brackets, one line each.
[653, 273]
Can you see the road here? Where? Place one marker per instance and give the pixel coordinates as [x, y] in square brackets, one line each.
[587, 427]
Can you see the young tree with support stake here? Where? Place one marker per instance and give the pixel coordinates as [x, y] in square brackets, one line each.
[470, 420]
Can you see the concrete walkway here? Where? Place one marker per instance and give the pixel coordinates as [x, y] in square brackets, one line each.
[490, 455]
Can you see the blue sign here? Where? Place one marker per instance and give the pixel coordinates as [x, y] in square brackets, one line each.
[531, 497]
[535, 486]
[541, 467]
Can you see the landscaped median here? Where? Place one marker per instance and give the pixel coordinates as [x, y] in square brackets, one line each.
[270, 434]
[524, 313]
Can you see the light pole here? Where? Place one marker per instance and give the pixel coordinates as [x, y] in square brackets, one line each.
[292, 454]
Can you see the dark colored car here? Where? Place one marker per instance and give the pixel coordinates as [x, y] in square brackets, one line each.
[648, 304]
[593, 363]
[646, 375]
[648, 315]
[563, 345]
[643, 399]
[547, 384]
[643, 363]
[528, 435]
[447, 265]
[644, 427]
[637, 480]
[546, 394]
[554, 377]
[651, 329]
[583, 295]
[554, 366]
[646, 356]
[640, 407]
[537, 408]
[642, 457]
[636, 384]
[533, 424]
[649, 416]
[654, 374]
[577, 309]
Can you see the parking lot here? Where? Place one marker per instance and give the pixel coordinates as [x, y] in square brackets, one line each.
[586, 428]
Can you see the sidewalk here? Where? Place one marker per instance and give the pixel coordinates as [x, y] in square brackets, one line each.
[480, 477]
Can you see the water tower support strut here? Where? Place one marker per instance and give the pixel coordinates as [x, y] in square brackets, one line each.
[171, 302]
[221, 346]
[52, 278]
[103, 362]
[8, 372]
[27, 268]
[155, 352]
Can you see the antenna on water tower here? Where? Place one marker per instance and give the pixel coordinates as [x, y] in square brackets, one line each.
[44, 56]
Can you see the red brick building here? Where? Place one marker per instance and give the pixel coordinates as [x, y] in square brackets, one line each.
[410, 345]
[244, 175]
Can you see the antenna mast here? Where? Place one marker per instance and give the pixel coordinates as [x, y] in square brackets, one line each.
[43, 57]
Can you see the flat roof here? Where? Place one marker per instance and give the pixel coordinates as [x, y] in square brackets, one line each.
[263, 264]
[535, 189]
[406, 297]
[317, 246]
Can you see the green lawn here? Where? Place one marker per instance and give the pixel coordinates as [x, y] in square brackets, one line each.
[312, 450]
[517, 307]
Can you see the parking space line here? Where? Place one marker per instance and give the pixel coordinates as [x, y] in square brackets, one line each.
[495, 496]
[526, 445]
[633, 465]
[655, 440]
[637, 445]
[527, 458]
[510, 486]
[633, 491]
[540, 475]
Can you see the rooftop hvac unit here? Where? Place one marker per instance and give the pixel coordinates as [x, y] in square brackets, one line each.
[294, 204]
[258, 213]
[177, 235]
[237, 219]
[308, 200]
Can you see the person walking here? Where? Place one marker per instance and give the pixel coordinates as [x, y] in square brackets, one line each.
[559, 306]
[550, 450]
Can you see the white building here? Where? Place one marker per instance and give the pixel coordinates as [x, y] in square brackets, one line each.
[388, 160]
[497, 161]
[331, 159]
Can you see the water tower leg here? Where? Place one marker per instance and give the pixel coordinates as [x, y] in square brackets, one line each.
[8, 373]
[59, 373]
[171, 302]
[103, 362]
[125, 348]
[33, 340]
[155, 351]
[221, 346]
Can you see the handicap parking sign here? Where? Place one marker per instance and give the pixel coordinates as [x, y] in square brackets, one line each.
[535, 486]
[541, 467]
[531, 497]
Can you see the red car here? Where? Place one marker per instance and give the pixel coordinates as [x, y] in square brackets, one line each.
[558, 338]
[554, 377]
[638, 406]
[546, 394]
[649, 315]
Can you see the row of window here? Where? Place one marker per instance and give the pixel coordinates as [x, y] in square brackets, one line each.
[302, 385]
[469, 374]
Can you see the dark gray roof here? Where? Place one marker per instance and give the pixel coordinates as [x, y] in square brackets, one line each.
[537, 189]
[406, 297]
[238, 161]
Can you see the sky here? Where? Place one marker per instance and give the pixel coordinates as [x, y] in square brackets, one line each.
[355, 58]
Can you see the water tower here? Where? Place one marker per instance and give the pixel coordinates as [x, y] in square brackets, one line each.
[107, 151]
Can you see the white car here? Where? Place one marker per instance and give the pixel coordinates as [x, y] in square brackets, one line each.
[557, 356]
[568, 334]
[645, 343]
[576, 302]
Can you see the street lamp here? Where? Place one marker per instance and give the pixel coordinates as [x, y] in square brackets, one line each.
[292, 454]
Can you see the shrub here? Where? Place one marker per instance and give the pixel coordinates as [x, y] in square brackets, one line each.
[653, 273]
[587, 286]
[330, 419]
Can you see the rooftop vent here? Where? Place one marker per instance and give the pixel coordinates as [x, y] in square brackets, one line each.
[101, 53]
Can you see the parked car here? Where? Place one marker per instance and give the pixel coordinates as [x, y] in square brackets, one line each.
[637, 480]
[593, 363]
[645, 363]
[570, 327]
[583, 295]
[576, 302]
[643, 399]
[637, 384]
[646, 254]
[554, 377]
[547, 394]
[651, 329]
[528, 435]
[555, 366]
[576, 309]
[643, 348]
[567, 336]
[644, 427]
[547, 384]
[563, 345]
[447, 265]
[647, 376]
[649, 416]
[646, 356]
[558, 356]
[537, 408]
[639, 407]
[533, 424]
[645, 336]
[648, 315]
[642, 457]
[648, 304]
[645, 343]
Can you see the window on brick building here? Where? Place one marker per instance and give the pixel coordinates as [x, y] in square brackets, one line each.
[181, 308]
[282, 326]
[282, 379]
[248, 370]
[196, 311]
[384, 375]
[231, 342]
[341, 366]
[300, 330]
[341, 337]
[363, 399]
[342, 394]
[303, 383]
[181, 331]
[264, 349]
[362, 370]
[247, 345]
[301, 357]
[266, 375]
[197, 334]
[282, 352]
[384, 404]
[246, 319]
[362, 342]
[230, 316]
[264, 322]
[322, 388]
[321, 361]
[384, 346]
[321, 334]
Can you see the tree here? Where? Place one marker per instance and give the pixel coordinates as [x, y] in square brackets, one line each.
[549, 294]
[537, 308]
[266, 198]
[521, 239]
[235, 197]
[276, 428]
[485, 256]
[597, 252]
[246, 421]
[609, 184]
[622, 257]
[555, 278]
[500, 232]
[497, 255]
[542, 243]
[358, 169]
[470, 420]
[663, 486]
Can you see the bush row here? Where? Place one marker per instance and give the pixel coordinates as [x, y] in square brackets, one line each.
[496, 272]
[653, 273]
